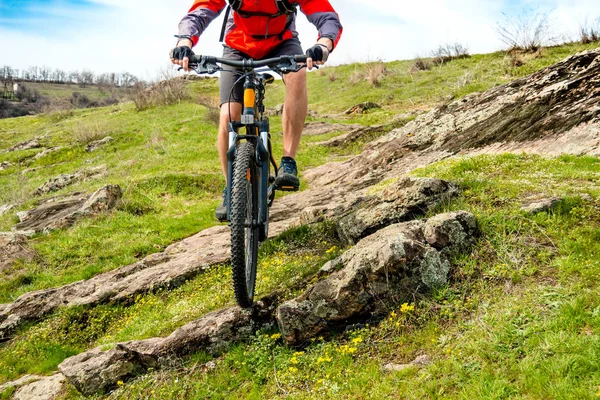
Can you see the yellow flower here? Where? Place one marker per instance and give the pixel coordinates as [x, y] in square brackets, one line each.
[404, 308]
[294, 360]
[120, 383]
[298, 353]
[275, 336]
[357, 340]
[393, 314]
[293, 370]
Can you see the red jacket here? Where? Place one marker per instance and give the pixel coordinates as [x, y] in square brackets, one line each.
[256, 35]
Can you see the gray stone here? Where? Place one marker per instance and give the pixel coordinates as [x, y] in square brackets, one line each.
[6, 208]
[388, 265]
[95, 145]
[545, 205]
[20, 382]
[5, 165]
[45, 152]
[362, 108]
[421, 361]
[64, 212]
[405, 199]
[65, 180]
[98, 371]
[26, 145]
[46, 388]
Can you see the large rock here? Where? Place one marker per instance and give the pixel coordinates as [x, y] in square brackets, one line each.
[65, 180]
[389, 265]
[62, 213]
[171, 268]
[98, 371]
[405, 199]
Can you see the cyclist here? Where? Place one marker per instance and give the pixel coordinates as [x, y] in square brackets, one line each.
[261, 29]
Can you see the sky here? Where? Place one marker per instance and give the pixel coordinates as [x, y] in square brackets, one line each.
[136, 35]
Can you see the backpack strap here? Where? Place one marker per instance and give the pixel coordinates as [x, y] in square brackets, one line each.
[285, 6]
[224, 28]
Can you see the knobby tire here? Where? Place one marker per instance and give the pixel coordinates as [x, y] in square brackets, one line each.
[243, 223]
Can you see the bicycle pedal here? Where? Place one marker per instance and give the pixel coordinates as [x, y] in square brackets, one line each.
[287, 188]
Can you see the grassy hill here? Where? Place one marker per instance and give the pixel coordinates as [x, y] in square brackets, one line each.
[521, 313]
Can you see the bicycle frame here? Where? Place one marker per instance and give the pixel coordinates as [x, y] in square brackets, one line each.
[257, 132]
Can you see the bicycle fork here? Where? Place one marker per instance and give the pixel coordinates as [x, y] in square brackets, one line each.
[263, 160]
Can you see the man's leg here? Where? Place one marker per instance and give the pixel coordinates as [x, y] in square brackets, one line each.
[223, 138]
[295, 110]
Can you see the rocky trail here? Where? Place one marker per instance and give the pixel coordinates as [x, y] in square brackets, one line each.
[551, 112]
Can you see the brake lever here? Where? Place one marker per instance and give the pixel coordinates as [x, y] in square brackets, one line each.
[204, 67]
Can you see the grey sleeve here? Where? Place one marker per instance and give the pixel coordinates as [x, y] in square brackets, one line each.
[196, 22]
[328, 25]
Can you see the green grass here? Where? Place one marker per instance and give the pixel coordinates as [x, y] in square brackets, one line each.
[284, 262]
[166, 161]
[519, 319]
[58, 91]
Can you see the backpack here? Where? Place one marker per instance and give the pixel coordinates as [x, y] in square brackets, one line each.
[284, 7]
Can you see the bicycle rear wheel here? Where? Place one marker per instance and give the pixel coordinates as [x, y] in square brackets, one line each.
[244, 224]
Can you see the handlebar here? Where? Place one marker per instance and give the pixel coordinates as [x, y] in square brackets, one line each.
[284, 64]
[247, 63]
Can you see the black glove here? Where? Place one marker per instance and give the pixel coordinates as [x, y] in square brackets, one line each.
[179, 53]
[318, 53]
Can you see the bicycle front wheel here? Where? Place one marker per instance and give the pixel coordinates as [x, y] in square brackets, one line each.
[244, 224]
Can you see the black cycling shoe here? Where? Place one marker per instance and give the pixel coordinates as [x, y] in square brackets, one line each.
[287, 176]
[221, 211]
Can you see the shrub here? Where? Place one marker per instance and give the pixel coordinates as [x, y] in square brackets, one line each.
[87, 132]
[213, 112]
[589, 32]
[449, 52]
[375, 72]
[170, 91]
[527, 32]
[27, 94]
[10, 109]
[420, 64]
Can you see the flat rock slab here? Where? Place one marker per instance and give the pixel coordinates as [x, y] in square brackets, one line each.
[65, 180]
[95, 145]
[543, 205]
[170, 268]
[98, 371]
[5, 165]
[64, 212]
[4, 208]
[45, 152]
[323, 128]
[26, 145]
[45, 388]
[384, 267]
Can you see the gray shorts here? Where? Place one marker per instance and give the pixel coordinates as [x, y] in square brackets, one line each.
[228, 79]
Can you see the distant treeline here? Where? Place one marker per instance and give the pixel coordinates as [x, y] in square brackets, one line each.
[82, 78]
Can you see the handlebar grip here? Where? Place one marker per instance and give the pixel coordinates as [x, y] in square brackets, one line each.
[198, 59]
[300, 58]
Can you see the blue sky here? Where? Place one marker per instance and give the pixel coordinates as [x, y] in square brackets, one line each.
[135, 35]
[45, 17]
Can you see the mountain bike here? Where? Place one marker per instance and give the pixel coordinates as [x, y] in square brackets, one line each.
[250, 187]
